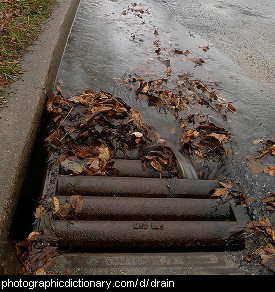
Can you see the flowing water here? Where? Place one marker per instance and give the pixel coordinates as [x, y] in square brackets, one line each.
[112, 38]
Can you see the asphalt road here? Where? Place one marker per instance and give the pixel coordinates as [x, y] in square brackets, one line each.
[241, 30]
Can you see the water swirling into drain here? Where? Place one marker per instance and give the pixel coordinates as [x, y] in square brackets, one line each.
[165, 126]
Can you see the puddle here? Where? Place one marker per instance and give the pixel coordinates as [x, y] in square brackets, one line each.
[112, 39]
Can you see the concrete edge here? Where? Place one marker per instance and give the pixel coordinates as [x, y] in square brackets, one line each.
[19, 121]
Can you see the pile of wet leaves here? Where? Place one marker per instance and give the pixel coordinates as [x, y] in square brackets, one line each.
[89, 130]
[192, 104]
[37, 253]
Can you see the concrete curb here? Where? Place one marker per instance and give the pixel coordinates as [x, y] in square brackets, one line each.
[19, 121]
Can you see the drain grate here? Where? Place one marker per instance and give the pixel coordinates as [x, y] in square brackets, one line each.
[141, 211]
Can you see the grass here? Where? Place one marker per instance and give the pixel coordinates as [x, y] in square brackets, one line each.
[20, 24]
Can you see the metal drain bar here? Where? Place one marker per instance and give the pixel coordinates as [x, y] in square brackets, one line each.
[134, 208]
[132, 212]
[134, 186]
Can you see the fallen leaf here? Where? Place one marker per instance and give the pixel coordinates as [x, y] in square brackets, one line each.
[267, 253]
[231, 107]
[199, 153]
[255, 165]
[227, 185]
[156, 165]
[60, 210]
[39, 212]
[220, 192]
[56, 205]
[64, 210]
[270, 170]
[146, 88]
[168, 71]
[198, 62]
[72, 166]
[263, 224]
[76, 203]
[269, 200]
[33, 235]
[220, 137]
[180, 52]
[104, 152]
[58, 90]
[158, 51]
[186, 53]
[248, 201]
[94, 163]
[258, 141]
[41, 271]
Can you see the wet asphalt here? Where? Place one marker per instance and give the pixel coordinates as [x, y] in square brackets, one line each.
[242, 30]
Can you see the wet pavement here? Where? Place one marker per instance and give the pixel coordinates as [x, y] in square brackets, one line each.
[242, 30]
[111, 39]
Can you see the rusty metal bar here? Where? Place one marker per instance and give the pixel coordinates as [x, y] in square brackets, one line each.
[134, 186]
[146, 234]
[135, 168]
[133, 208]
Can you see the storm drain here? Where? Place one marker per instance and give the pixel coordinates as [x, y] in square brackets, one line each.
[141, 211]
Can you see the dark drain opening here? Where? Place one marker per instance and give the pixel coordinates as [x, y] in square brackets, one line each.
[22, 223]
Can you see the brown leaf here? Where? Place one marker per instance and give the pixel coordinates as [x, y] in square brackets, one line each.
[60, 210]
[198, 152]
[135, 117]
[180, 52]
[168, 71]
[156, 165]
[158, 51]
[137, 134]
[186, 53]
[64, 210]
[220, 192]
[94, 163]
[39, 212]
[248, 201]
[56, 205]
[32, 236]
[263, 224]
[220, 137]
[41, 271]
[72, 166]
[269, 200]
[255, 165]
[258, 141]
[76, 203]
[205, 48]
[227, 185]
[231, 107]
[58, 90]
[104, 152]
[270, 170]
